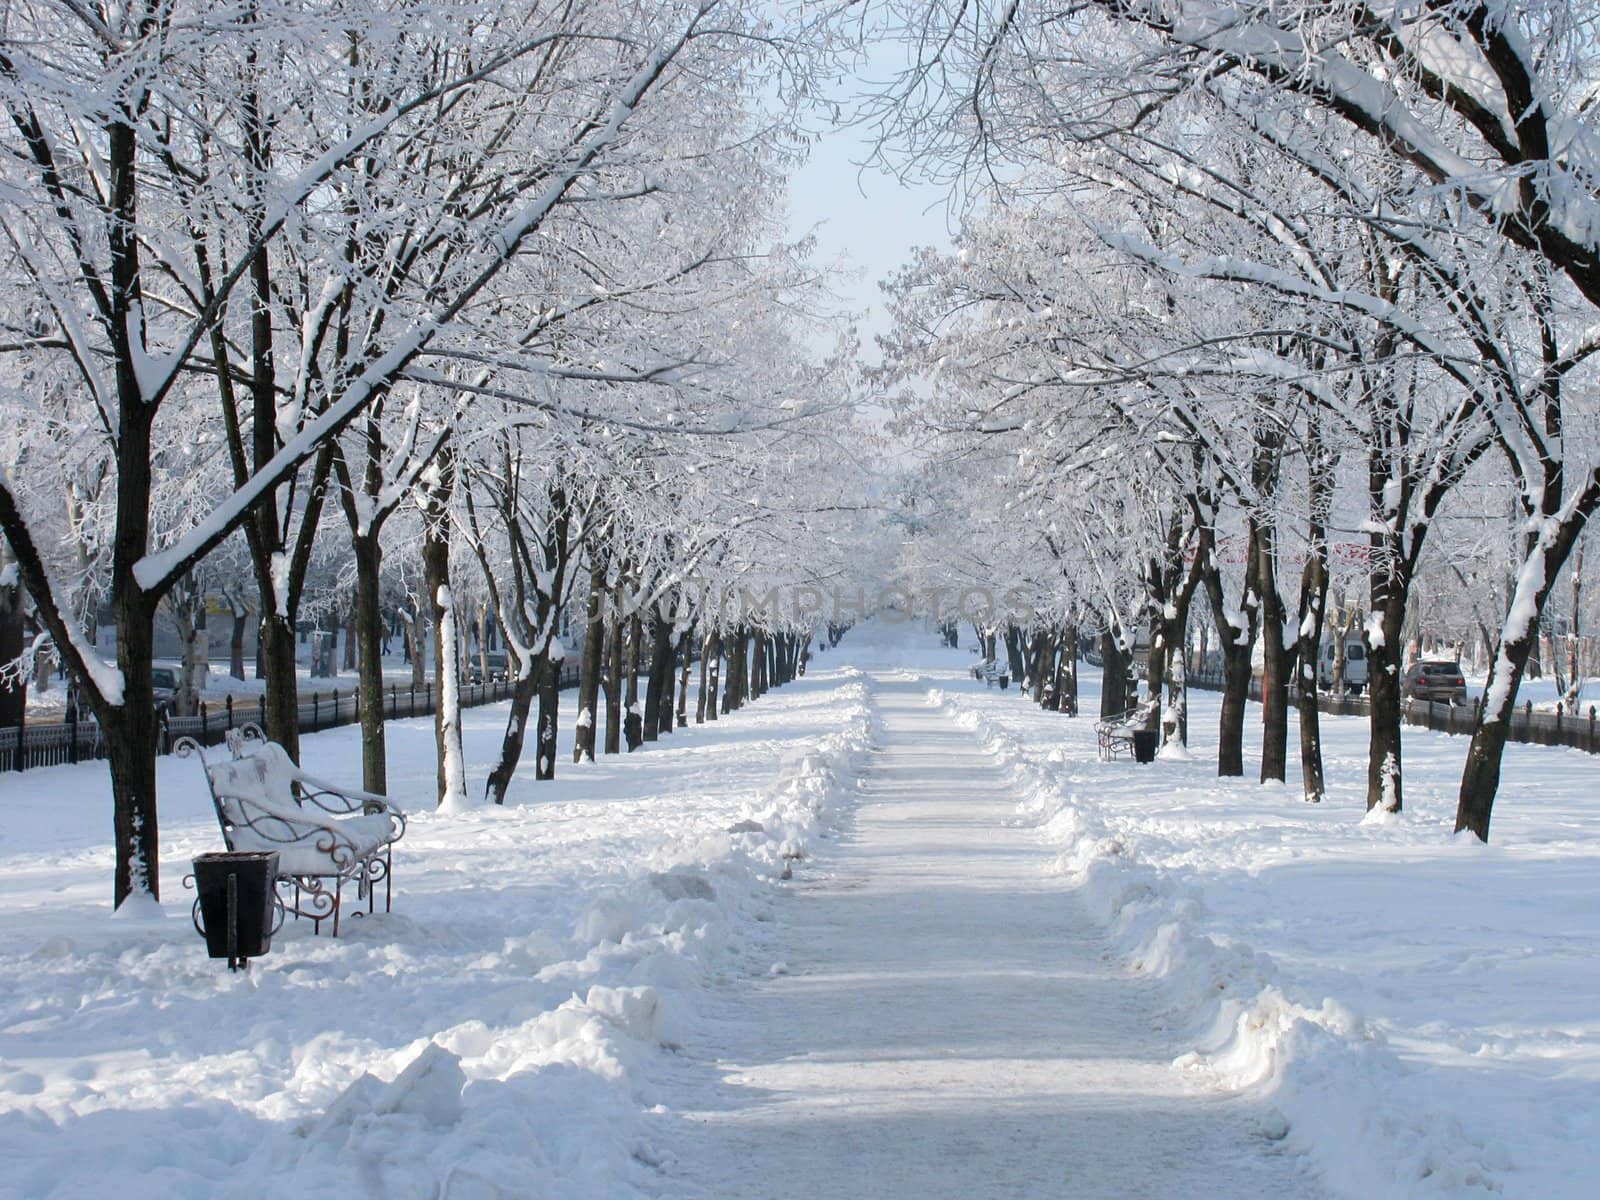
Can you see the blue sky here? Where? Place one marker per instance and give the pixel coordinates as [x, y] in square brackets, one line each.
[866, 217]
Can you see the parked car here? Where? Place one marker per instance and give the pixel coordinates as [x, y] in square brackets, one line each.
[1434, 679]
[1355, 664]
[165, 686]
[499, 668]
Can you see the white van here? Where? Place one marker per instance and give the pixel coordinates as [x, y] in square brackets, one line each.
[1355, 664]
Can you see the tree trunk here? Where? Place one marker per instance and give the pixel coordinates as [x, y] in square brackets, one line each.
[236, 644]
[665, 721]
[130, 738]
[13, 692]
[1236, 643]
[1312, 610]
[1235, 696]
[655, 680]
[417, 638]
[1274, 658]
[613, 744]
[1480, 780]
[1038, 668]
[1389, 589]
[705, 675]
[633, 718]
[1175, 675]
[758, 666]
[523, 691]
[736, 660]
[282, 698]
[549, 718]
[685, 663]
[351, 620]
[1016, 667]
[1113, 677]
[446, 658]
[481, 627]
[182, 602]
[713, 667]
[131, 733]
[1155, 662]
[368, 628]
[1067, 673]
[1383, 744]
[594, 633]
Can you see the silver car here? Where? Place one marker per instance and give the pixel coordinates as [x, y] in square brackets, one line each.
[1434, 679]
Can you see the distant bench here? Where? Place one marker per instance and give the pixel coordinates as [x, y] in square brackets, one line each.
[1115, 733]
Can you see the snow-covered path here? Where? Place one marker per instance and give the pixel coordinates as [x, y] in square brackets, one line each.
[949, 1023]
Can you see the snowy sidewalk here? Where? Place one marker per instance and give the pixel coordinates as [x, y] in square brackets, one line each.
[949, 1025]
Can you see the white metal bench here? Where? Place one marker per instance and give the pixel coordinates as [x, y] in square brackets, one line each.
[325, 835]
[1115, 733]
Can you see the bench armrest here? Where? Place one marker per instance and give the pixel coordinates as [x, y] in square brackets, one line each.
[332, 798]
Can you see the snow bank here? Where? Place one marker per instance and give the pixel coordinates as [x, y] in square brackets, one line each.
[1374, 1124]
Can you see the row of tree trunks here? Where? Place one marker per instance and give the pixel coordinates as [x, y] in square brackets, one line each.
[1051, 679]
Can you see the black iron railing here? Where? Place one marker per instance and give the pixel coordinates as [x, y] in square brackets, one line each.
[48, 745]
[1578, 730]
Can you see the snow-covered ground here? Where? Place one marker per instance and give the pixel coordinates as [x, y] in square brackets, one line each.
[490, 1037]
[1424, 1011]
[606, 990]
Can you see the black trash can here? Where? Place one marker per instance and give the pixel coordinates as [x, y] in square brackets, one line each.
[1144, 745]
[1004, 680]
[237, 909]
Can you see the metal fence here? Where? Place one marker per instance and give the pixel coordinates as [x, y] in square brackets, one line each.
[1578, 730]
[77, 741]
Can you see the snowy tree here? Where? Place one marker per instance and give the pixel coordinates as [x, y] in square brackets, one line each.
[154, 207]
